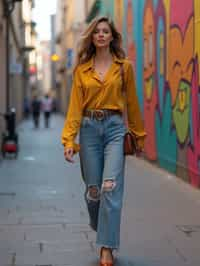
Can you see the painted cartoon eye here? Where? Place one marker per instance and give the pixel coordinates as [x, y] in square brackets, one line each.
[150, 48]
[145, 53]
[161, 53]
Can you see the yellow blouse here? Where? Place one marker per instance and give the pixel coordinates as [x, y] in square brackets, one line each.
[89, 92]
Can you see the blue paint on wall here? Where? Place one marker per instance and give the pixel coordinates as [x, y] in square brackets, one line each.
[138, 7]
[107, 8]
[155, 3]
[166, 137]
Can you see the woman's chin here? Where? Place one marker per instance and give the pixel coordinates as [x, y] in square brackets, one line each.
[102, 46]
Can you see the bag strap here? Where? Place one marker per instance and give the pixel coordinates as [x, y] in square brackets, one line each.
[125, 114]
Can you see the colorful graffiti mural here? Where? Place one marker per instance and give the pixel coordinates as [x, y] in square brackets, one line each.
[162, 39]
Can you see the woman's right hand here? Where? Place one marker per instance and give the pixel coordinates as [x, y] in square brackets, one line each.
[68, 154]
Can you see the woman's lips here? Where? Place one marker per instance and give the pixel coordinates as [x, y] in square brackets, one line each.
[101, 41]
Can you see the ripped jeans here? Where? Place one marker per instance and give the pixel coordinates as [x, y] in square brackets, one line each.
[102, 166]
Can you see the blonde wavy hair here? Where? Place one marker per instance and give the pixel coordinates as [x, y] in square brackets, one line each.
[86, 48]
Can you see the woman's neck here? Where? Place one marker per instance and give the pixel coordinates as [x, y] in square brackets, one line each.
[103, 55]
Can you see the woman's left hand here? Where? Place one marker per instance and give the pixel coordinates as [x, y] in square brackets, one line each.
[68, 154]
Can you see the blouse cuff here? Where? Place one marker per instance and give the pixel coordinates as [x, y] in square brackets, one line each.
[138, 134]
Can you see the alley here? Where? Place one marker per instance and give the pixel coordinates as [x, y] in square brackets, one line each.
[43, 218]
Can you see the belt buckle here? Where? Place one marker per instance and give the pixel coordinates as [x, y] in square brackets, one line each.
[99, 114]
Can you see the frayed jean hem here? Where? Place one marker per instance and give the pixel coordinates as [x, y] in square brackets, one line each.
[108, 246]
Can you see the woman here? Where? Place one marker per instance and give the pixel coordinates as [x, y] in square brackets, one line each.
[96, 106]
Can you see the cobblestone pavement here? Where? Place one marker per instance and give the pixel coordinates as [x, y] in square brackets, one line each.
[43, 218]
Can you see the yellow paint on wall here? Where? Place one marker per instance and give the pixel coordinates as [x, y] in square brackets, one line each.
[118, 13]
[167, 12]
[197, 29]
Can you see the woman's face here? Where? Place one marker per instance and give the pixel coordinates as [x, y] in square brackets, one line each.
[102, 35]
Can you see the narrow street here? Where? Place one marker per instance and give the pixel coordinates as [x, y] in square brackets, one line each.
[43, 217]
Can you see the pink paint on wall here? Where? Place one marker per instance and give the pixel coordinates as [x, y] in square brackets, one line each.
[150, 94]
[193, 154]
[180, 12]
[149, 123]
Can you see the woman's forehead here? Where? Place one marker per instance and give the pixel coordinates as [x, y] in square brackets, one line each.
[102, 24]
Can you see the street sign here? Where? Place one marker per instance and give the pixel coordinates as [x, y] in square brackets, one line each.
[15, 68]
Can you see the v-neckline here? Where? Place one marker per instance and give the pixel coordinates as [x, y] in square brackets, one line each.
[106, 73]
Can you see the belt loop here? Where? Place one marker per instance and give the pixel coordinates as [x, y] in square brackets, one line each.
[107, 114]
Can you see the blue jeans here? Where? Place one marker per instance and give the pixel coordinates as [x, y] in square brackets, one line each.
[102, 166]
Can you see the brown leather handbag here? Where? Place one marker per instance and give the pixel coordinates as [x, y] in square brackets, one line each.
[130, 144]
[130, 141]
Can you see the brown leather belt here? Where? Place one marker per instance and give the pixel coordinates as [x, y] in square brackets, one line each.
[101, 114]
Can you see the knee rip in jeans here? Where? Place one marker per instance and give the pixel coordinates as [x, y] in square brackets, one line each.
[93, 193]
[108, 185]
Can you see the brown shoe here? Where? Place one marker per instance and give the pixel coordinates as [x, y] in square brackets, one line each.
[104, 263]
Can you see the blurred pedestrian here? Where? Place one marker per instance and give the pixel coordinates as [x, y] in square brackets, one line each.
[96, 106]
[47, 104]
[36, 108]
[26, 107]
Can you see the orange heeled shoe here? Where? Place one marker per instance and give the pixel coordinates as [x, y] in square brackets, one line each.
[106, 263]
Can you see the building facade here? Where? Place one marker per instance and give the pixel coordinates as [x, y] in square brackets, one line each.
[45, 53]
[70, 22]
[2, 67]
[14, 56]
[53, 52]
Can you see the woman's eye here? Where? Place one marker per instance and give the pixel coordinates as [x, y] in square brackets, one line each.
[102, 31]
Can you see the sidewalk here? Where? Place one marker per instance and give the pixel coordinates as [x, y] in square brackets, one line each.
[43, 217]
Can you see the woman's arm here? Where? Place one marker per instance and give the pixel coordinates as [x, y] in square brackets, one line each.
[135, 121]
[74, 114]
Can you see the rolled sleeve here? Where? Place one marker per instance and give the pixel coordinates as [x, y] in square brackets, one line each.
[74, 114]
[135, 121]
